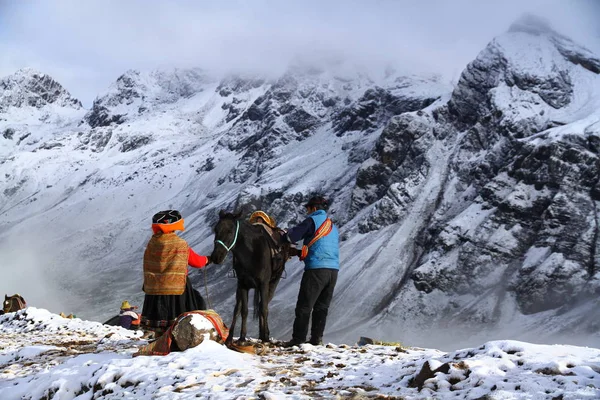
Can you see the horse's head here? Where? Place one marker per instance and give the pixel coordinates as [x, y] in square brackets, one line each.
[13, 303]
[226, 235]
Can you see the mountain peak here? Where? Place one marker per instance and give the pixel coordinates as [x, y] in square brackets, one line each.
[573, 52]
[134, 92]
[532, 57]
[30, 87]
[28, 72]
[533, 24]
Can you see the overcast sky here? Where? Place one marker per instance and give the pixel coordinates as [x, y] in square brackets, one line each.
[86, 45]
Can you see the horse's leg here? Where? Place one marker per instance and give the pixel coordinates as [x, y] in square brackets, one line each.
[264, 312]
[244, 302]
[236, 311]
[272, 287]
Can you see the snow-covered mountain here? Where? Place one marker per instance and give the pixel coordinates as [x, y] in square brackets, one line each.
[463, 210]
[28, 88]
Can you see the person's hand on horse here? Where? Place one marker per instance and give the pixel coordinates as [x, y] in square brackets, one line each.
[295, 252]
[208, 260]
[282, 233]
[284, 236]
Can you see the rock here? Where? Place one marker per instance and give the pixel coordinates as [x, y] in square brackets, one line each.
[237, 84]
[193, 330]
[8, 133]
[398, 168]
[134, 142]
[418, 381]
[300, 120]
[375, 108]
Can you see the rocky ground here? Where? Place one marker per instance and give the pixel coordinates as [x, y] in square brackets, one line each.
[45, 356]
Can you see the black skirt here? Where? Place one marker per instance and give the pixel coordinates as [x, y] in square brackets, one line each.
[160, 311]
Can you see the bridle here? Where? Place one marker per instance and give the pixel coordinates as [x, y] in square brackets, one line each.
[228, 248]
[14, 303]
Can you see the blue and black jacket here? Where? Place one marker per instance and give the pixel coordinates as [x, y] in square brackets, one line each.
[325, 252]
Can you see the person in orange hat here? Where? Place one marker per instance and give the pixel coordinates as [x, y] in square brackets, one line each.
[168, 292]
[128, 318]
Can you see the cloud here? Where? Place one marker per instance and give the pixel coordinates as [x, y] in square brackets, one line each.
[86, 45]
[30, 272]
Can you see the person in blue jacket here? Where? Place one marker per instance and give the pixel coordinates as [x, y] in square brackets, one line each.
[320, 254]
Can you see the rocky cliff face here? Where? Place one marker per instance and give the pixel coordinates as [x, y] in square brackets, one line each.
[33, 111]
[302, 102]
[135, 92]
[471, 205]
[516, 210]
[28, 87]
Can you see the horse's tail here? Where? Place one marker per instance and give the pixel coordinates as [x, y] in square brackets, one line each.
[256, 303]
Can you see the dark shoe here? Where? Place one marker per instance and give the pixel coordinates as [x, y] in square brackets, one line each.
[292, 343]
[316, 342]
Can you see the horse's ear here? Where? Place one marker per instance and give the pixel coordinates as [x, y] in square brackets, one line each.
[222, 214]
[238, 214]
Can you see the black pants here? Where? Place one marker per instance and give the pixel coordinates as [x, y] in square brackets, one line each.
[316, 291]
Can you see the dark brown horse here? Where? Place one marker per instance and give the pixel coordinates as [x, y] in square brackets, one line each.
[13, 303]
[255, 264]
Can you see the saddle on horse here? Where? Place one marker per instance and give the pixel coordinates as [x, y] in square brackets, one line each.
[281, 250]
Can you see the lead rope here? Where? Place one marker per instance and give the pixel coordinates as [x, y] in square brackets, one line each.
[206, 287]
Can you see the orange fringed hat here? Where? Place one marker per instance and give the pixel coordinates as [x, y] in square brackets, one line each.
[167, 221]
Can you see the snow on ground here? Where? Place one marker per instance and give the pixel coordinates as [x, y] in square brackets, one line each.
[45, 356]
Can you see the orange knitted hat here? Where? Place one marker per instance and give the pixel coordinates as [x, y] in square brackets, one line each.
[167, 221]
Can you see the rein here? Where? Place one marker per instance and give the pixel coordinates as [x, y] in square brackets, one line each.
[237, 229]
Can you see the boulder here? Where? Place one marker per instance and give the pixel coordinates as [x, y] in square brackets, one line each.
[193, 330]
